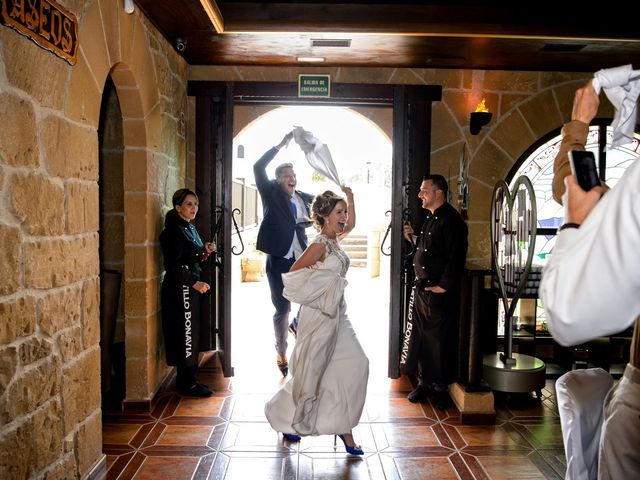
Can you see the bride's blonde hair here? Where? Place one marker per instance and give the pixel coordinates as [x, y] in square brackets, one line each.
[323, 205]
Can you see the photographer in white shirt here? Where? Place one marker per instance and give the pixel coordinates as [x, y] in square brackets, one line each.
[591, 285]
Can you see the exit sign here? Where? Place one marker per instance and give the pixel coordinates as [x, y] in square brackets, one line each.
[314, 85]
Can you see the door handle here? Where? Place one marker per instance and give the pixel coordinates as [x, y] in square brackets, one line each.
[386, 234]
[235, 225]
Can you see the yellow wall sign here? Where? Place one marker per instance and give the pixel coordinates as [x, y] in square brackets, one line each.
[314, 85]
[46, 22]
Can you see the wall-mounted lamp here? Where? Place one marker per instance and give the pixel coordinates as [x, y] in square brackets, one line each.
[479, 118]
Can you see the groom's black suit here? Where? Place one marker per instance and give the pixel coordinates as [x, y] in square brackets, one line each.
[275, 238]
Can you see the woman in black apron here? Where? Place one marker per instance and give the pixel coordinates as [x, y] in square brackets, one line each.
[183, 252]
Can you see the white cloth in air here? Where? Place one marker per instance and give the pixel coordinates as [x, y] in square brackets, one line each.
[622, 87]
[317, 154]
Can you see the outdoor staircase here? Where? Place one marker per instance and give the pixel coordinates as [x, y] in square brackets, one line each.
[356, 247]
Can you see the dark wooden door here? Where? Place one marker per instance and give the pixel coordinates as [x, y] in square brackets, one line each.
[214, 137]
[411, 153]
[411, 160]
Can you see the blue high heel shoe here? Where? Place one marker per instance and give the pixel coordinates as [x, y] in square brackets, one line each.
[291, 437]
[353, 450]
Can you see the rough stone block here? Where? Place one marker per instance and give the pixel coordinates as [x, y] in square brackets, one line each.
[513, 135]
[55, 263]
[144, 70]
[18, 142]
[32, 388]
[135, 171]
[481, 246]
[91, 313]
[8, 365]
[476, 402]
[38, 202]
[110, 24]
[138, 384]
[70, 343]
[480, 203]
[81, 388]
[17, 318]
[140, 297]
[34, 349]
[85, 96]
[490, 164]
[89, 442]
[135, 133]
[138, 338]
[500, 80]
[141, 262]
[71, 151]
[137, 205]
[59, 310]
[444, 130]
[542, 114]
[32, 69]
[10, 254]
[16, 450]
[508, 101]
[93, 44]
[83, 213]
[64, 469]
[47, 423]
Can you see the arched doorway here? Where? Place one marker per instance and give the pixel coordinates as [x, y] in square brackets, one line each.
[215, 102]
[360, 144]
[111, 241]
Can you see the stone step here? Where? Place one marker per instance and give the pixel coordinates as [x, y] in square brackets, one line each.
[353, 241]
[358, 255]
[358, 263]
[354, 248]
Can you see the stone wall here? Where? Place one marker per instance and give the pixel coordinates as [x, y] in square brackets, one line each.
[49, 207]
[526, 106]
[50, 420]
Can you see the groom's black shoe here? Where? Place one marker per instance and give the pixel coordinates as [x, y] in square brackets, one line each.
[419, 394]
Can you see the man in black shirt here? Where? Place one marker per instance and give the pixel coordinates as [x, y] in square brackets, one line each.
[441, 251]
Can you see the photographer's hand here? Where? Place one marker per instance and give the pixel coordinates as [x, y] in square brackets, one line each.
[585, 104]
[578, 203]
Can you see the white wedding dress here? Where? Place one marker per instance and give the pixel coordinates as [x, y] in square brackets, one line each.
[329, 369]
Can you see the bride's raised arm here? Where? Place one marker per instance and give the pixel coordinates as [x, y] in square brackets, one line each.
[351, 211]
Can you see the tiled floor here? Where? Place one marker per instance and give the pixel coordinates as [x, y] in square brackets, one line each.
[227, 436]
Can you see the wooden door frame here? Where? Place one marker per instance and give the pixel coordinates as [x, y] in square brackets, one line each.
[411, 160]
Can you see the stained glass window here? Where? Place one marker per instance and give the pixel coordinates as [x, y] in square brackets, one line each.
[538, 166]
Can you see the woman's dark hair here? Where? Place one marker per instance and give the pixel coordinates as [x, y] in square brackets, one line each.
[323, 205]
[181, 194]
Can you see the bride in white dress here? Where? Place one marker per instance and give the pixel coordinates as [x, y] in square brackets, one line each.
[329, 369]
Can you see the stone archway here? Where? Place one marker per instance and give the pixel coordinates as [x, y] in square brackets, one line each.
[149, 80]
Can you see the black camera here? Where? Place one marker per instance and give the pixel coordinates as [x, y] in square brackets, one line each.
[583, 168]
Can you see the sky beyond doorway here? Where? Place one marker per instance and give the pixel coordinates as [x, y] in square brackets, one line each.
[360, 150]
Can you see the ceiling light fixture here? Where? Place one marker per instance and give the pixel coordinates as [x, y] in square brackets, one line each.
[311, 59]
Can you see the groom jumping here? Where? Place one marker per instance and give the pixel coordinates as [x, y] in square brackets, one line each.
[281, 236]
